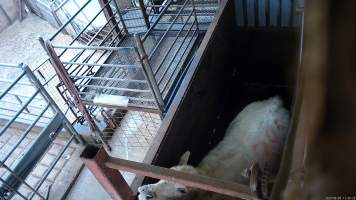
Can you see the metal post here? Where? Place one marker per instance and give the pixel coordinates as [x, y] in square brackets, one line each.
[195, 15]
[112, 181]
[149, 73]
[121, 18]
[144, 13]
[108, 13]
[48, 97]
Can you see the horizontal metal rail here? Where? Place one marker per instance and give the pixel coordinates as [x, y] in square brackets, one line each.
[12, 85]
[112, 88]
[109, 79]
[94, 47]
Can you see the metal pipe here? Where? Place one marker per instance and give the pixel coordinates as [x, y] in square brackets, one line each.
[19, 179]
[164, 87]
[112, 88]
[93, 47]
[257, 14]
[166, 32]
[9, 65]
[267, 12]
[46, 95]
[12, 85]
[141, 53]
[23, 136]
[102, 65]
[167, 52]
[111, 180]
[69, 20]
[155, 23]
[48, 171]
[8, 187]
[109, 79]
[7, 125]
[121, 18]
[279, 13]
[245, 14]
[144, 13]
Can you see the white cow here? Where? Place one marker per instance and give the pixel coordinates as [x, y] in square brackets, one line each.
[256, 135]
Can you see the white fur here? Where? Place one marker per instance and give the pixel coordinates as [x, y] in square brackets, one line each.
[257, 134]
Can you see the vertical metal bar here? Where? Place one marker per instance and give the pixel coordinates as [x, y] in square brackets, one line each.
[267, 12]
[7, 125]
[195, 15]
[257, 15]
[108, 14]
[149, 73]
[48, 97]
[121, 18]
[144, 13]
[279, 13]
[111, 179]
[23, 136]
[245, 14]
[292, 13]
[2, 164]
[48, 171]
[12, 85]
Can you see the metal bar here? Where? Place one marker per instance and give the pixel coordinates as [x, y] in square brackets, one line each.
[279, 13]
[46, 95]
[149, 73]
[292, 13]
[9, 188]
[69, 20]
[166, 32]
[257, 14]
[158, 18]
[93, 47]
[9, 65]
[6, 15]
[12, 85]
[267, 12]
[144, 13]
[11, 110]
[188, 179]
[102, 65]
[111, 180]
[2, 164]
[23, 136]
[109, 79]
[167, 52]
[7, 125]
[195, 14]
[121, 18]
[108, 13]
[112, 88]
[132, 107]
[48, 171]
[245, 14]
[164, 87]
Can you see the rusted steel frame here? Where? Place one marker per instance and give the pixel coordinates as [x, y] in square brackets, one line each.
[64, 76]
[112, 181]
[192, 180]
[108, 14]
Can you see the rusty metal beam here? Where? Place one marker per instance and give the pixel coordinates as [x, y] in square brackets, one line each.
[115, 185]
[108, 14]
[192, 180]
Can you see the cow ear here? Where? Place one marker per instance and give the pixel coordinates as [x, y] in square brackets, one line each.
[184, 158]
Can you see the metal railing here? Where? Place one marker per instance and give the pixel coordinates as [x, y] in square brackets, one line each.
[26, 143]
[116, 69]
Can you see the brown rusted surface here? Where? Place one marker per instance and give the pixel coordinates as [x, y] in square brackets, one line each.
[111, 179]
[192, 180]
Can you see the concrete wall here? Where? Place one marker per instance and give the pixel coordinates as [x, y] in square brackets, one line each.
[10, 7]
